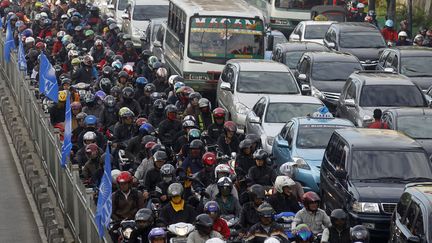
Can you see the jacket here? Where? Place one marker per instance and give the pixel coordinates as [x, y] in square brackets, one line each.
[281, 203]
[125, 206]
[333, 235]
[258, 233]
[262, 175]
[248, 216]
[169, 216]
[316, 221]
[195, 237]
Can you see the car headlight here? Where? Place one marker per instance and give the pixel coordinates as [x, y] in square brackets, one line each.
[316, 93]
[367, 118]
[301, 163]
[365, 207]
[270, 140]
[241, 109]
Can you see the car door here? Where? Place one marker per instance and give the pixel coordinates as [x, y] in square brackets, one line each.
[412, 224]
[226, 97]
[256, 112]
[382, 59]
[158, 39]
[396, 225]
[348, 92]
[280, 147]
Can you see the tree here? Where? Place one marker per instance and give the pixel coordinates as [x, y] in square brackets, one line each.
[391, 9]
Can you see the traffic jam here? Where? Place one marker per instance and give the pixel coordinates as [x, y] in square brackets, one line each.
[203, 121]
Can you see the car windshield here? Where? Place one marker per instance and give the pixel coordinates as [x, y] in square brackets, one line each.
[340, 71]
[372, 165]
[391, 96]
[145, 12]
[122, 5]
[417, 127]
[297, 4]
[315, 31]
[315, 136]
[218, 39]
[292, 58]
[361, 40]
[283, 112]
[264, 82]
[418, 66]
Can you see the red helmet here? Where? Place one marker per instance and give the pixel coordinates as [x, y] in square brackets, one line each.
[368, 19]
[140, 121]
[230, 126]
[219, 113]
[124, 176]
[310, 197]
[40, 45]
[149, 145]
[4, 4]
[128, 69]
[209, 159]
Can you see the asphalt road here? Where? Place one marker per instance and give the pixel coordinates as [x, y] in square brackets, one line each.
[17, 223]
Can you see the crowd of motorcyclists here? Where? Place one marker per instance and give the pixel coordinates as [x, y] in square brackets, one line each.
[175, 158]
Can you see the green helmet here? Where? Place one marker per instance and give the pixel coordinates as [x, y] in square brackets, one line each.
[152, 60]
[194, 134]
[89, 32]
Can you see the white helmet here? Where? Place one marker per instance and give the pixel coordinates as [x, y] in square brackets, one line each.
[402, 34]
[29, 40]
[89, 136]
[271, 240]
[283, 181]
[114, 174]
[222, 168]
[288, 169]
[360, 5]
[172, 78]
[162, 72]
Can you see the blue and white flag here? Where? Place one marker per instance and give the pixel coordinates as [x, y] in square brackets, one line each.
[104, 203]
[9, 43]
[67, 141]
[47, 79]
[22, 62]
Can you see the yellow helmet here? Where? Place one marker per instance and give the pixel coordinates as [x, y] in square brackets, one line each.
[75, 61]
[38, 5]
[62, 95]
[320, 18]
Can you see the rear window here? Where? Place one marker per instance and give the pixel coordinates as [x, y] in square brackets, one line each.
[267, 83]
[391, 96]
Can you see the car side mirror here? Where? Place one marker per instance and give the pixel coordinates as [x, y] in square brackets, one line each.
[110, 6]
[302, 77]
[157, 44]
[225, 86]
[294, 37]
[305, 88]
[125, 16]
[331, 45]
[254, 119]
[349, 102]
[340, 174]
[414, 239]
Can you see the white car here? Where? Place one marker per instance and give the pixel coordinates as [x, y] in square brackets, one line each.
[312, 31]
[271, 113]
[137, 20]
[244, 81]
[118, 8]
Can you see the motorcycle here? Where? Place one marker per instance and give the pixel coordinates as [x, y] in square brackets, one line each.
[233, 225]
[180, 232]
[82, 89]
[286, 219]
[125, 230]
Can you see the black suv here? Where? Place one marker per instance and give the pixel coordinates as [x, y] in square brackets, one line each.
[412, 220]
[363, 40]
[411, 61]
[326, 74]
[364, 172]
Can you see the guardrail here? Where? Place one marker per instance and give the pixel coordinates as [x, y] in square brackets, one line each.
[74, 199]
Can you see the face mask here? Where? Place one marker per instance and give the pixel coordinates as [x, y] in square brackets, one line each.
[172, 116]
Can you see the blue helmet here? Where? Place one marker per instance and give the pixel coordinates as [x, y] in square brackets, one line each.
[389, 23]
[146, 129]
[211, 207]
[178, 85]
[100, 95]
[90, 120]
[156, 233]
[141, 80]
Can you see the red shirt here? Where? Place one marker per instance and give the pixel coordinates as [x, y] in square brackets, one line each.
[378, 125]
[221, 226]
[389, 34]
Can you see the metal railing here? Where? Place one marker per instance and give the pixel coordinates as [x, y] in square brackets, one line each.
[74, 199]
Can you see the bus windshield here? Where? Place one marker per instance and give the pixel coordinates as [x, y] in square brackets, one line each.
[297, 4]
[217, 39]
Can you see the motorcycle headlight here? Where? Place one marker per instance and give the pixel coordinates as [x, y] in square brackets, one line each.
[316, 93]
[301, 163]
[241, 109]
[365, 207]
[127, 233]
[181, 231]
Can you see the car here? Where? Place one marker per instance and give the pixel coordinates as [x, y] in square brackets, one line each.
[411, 61]
[270, 113]
[412, 219]
[314, 70]
[414, 122]
[312, 31]
[273, 38]
[153, 38]
[331, 12]
[364, 172]
[291, 52]
[365, 91]
[363, 40]
[138, 18]
[303, 140]
[243, 82]
[117, 9]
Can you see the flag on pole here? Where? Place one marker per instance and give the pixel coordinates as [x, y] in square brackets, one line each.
[104, 203]
[9, 43]
[67, 142]
[47, 79]
[22, 63]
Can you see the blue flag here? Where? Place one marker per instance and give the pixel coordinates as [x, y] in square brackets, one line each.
[67, 142]
[22, 63]
[9, 43]
[47, 79]
[104, 203]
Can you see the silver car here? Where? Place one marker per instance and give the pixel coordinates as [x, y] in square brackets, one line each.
[244, 82]
[270, 113]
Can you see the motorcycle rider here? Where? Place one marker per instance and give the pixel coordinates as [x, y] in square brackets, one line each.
[205, 117]
[146, 162]
[170, 126]
[57, 112]
[290, 170]
[129, 101]
[403, 39]
[266, 226]
[221, 170]
[144, 220]
[90, 124]
[217, 127]
[228, 204]
[91, 106]
[186, 136]
[244, 159]
[167, 172]
[126, 201]
[228, 142]
[359, 234]
[192, 162]
[156, 115]
[340, 231]
[193, 108]
[283, 200]
[177, 210]
[153, 175]
[123, 129]
[311, 214]
[109, 113]
[203, 230]
[389, 33]
[261, 173]
[206, 175]
[92, 165]
[220, 225]
[249, 214]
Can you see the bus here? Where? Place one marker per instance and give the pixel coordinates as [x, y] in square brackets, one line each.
[284, 15]
[201, 35]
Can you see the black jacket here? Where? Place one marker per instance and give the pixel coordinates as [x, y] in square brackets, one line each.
[281, 203]
[244, 163]
[169, 216]
[152, 178]
[257, 233]
[168, 130]
[225, 148]
[248, 216]
[337, 236]
[57, 114]
[262, 175]
[132, 104]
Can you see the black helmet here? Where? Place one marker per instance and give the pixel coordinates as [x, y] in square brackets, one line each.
[105, 84]
[144, 214]
[338, 214]
[148, 138]
[123, 74]
[204, 220]
[110, 101]
[196, 144]
[260, 154]
[128, 44]
[265, 210]
[156, 96]
[257, 191]
[225, 186]
[145, 54]
[128, 92]
[170, 109]
[246, 143]
[119, 58]
[107, 71]
[175, 189]
[195, 95]
[167, 170]
[115, 91]
[254, 138]
[89, 98]
[359, 233]
[159, 105]
[160, 156]
[157, 147]
[150, 88]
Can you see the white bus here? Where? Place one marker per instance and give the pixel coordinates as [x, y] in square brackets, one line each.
[201, 35]
[284, 15]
